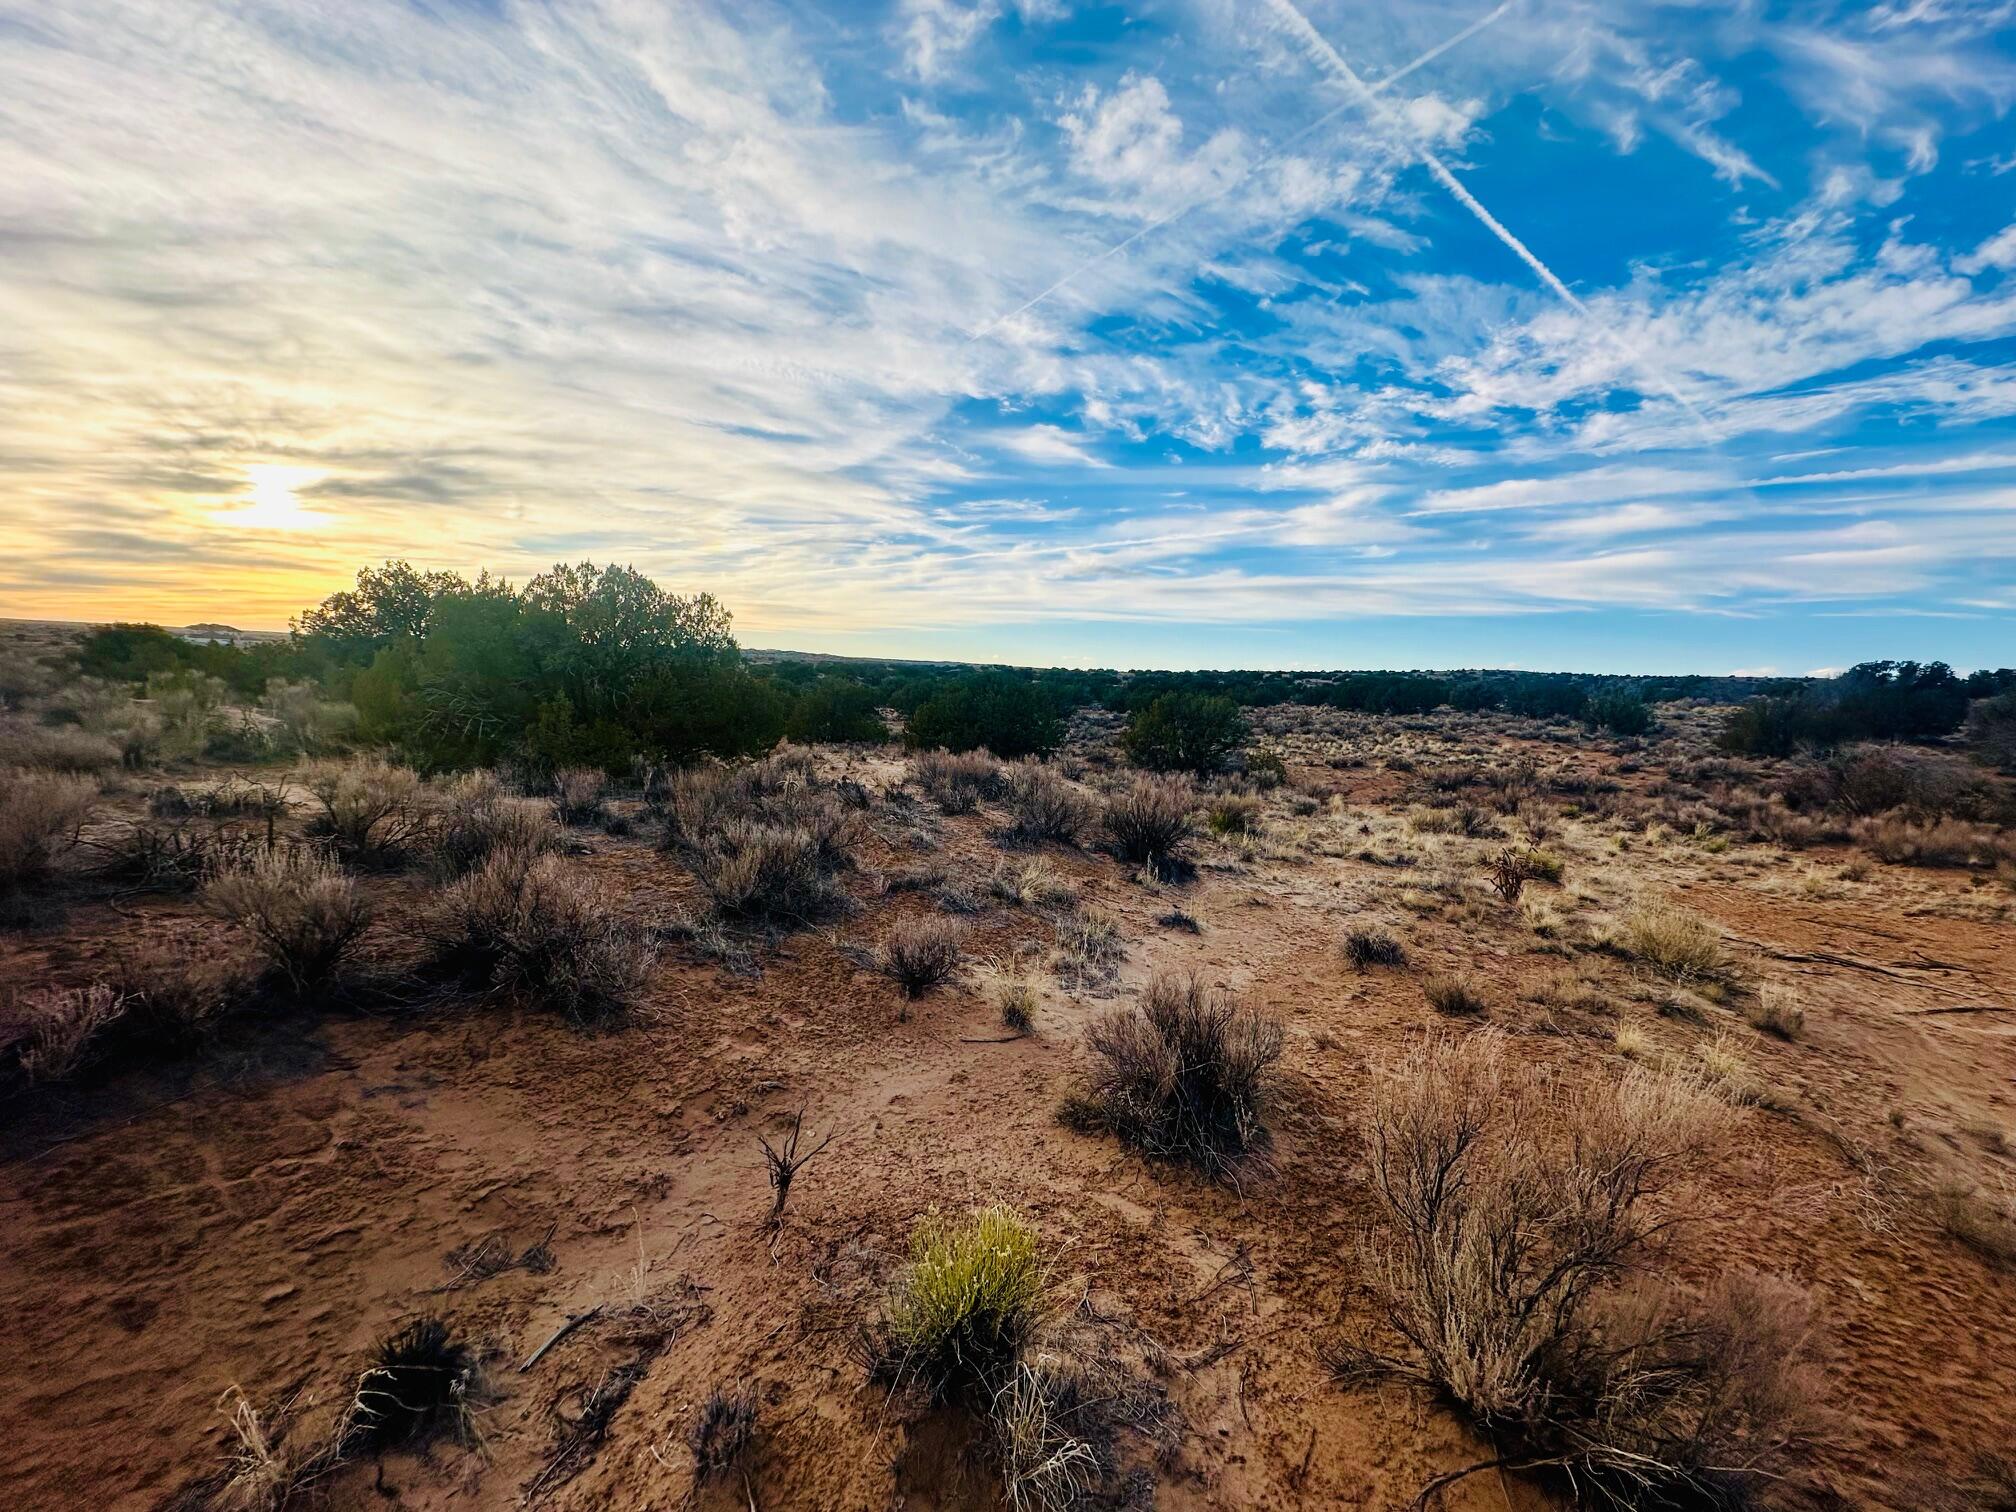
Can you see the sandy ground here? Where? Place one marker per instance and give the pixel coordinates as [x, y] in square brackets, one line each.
[259, 1218]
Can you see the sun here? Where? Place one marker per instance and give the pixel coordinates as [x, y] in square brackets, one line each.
[274, 504]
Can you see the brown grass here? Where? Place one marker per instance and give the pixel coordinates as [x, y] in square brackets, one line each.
[1150, 821]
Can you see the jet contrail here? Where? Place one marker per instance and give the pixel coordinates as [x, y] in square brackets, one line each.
[1269, 156]
[1319, 48]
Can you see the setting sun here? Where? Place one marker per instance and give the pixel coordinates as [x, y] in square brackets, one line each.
[274, 504]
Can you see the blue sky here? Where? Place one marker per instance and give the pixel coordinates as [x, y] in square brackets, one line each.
[1613, 336]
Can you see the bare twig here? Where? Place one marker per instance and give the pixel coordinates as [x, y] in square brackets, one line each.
[784, 1163]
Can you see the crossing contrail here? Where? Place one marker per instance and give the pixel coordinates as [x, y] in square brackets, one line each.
[1255, 166]
[1320, 49]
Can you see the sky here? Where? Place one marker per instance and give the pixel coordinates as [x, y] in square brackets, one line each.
[1566, 334]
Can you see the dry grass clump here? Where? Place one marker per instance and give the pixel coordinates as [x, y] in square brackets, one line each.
[1233, 814]
[474, 818]
[525, 922]
[1032, 883]
[55, 748]
[721, 1431]
[958, 780]
[1368, 946]
[1455, 993]
[1471, 820]
[920, 954]
[1680, 946]
[41, 815]
[1937, 842]
[1151, 820]
[968, 1301]
[1777, 1013]
[371, 811]
[422, 1381]
[303, 912]
[1016, 998]
[1045, 805]
[1511, 1265]
[1182, 1076]
[1979, 1219]
[64, 1028]
[577, 796]
[1089, 945]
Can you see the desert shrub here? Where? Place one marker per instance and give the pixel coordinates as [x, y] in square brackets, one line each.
[1265, 769]
[1233, 814]
[474, 818]
[66, 1027]
[1151, 820]
[1620, 713]
[995, 711]
[1979, 1219]
[57, 748]
[1680, 946]
[920, 954]
[577, 796]
[525, 922]
[41, 816]
[1471, 820]
[721, 1431]
[180, 990]
[422, 1381]
[958, 781]
[1455, 994]
[1939, 842]
[1510, 870]
[1516, 1209]
[233, 798]
[1925, 784]
[1184, 732]
[969, 1299]
[171, 857]
[776, 874]
[1183, 1075]
[1044, 805]
[1991, 730]
[1373, 947]
[305, 718]
[371, 811]
[301, 910]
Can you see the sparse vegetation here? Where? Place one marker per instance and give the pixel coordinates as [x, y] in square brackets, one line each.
[920, 954]
[1367, 946]
[1183, 1075]
[371, 811]
[958, 781]
[525, 922]
[1150, 821]
[41, 816]
[64, 1026]
[1044, 805]
[1455, 994]
[721, 1431]
[1518, 1224]
[577, 796]
[301, 910]
[1680, 946]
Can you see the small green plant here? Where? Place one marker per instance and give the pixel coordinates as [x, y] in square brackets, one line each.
[970, 1298]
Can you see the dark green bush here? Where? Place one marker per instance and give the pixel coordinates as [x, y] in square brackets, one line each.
[1184, 732]
[1010, 716]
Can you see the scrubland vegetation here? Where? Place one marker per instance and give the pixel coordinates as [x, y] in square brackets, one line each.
[1553, 1046]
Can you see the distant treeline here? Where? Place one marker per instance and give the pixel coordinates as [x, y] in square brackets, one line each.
[598, 666]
